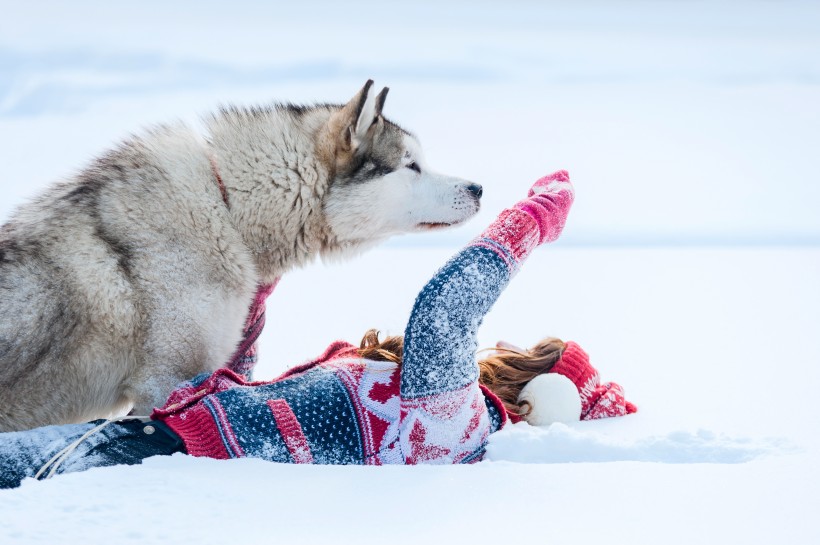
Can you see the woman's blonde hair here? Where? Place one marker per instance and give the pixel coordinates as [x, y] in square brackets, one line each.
[505, 372]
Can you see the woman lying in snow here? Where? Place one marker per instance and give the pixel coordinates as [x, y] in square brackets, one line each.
[417, 399]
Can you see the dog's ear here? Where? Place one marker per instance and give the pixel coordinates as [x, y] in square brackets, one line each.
[359, 118]
[380, 98]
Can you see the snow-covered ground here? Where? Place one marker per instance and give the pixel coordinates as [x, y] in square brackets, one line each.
[718, 348]
[689, 269]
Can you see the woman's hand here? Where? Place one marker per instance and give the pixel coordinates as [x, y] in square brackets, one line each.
[548, 202]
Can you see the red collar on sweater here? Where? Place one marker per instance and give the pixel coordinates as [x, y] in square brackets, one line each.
[499, 405]
[219, 182]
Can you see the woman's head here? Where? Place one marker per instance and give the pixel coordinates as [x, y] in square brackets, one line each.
[508, 369]
[505, 372]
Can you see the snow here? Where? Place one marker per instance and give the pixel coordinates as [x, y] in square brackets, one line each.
[723, 449]
[688, 269]
[560, 443]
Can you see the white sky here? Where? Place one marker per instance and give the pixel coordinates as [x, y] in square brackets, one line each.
[680, 122]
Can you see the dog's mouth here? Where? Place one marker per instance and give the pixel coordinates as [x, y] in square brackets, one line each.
[431, 226]
[436, 225]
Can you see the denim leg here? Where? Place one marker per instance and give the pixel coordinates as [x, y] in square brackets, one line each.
[23, 453]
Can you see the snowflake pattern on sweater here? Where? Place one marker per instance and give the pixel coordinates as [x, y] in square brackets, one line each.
[342, 409]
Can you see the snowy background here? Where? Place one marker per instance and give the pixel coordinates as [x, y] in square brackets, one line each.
[689, 266]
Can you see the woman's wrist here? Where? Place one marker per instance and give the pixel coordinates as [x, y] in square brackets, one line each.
[513, 235]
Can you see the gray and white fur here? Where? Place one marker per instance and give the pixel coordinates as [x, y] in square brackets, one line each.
[135, 274]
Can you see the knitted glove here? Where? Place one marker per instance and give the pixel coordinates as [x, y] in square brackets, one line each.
[548, 202]
[605, 401]
[538, 218]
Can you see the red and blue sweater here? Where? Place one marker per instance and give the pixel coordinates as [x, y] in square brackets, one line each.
[342, 409]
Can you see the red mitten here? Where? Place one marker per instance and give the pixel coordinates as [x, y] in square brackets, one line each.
[548, 203]
[537, 219]
[608, 400]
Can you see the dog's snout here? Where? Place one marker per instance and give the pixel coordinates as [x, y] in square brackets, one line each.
[476, 190]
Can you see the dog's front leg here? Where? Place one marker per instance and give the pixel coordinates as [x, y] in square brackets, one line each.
[171, 355]
[151, 389]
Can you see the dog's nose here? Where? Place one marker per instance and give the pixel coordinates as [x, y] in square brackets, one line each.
[476, 190]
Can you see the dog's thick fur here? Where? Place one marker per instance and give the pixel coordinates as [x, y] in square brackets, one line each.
[135, 274]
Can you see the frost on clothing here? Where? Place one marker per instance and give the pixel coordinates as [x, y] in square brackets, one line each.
[23, 453]
[342, 409]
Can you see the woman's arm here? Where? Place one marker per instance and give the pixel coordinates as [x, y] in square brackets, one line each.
[439, 382]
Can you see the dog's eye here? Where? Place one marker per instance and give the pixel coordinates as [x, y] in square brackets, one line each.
[414, 166]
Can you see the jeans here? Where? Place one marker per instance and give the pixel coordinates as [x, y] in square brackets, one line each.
[128, 442]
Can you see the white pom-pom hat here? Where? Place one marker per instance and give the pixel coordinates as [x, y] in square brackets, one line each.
[551, 398]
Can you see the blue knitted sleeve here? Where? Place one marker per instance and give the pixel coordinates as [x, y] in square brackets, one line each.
[444, 418]
[440, 340]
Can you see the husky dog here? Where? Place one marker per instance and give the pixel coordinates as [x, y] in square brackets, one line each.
[138, 272]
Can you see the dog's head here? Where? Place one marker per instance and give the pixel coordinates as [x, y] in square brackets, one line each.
[381, 184]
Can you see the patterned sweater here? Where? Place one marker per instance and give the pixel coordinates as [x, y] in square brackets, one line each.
[342, 409]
